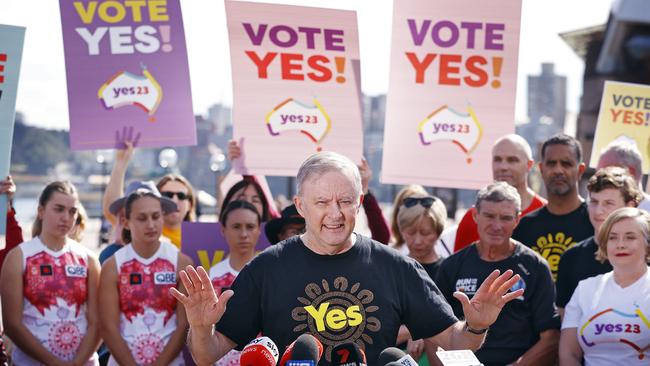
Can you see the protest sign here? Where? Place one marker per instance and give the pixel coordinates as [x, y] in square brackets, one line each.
[624, 116]
[205, 244]
[126, 65]
[296, 84]
[11, 51]
[451, 90]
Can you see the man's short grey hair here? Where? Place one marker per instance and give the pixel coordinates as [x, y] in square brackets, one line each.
[498, 192]
[627, 155]
[516, 139]
[323, 162]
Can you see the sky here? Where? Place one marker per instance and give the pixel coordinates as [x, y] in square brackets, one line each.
[42, 94]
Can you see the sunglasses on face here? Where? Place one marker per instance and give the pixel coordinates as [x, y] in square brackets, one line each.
[181, 196]
[425, 202]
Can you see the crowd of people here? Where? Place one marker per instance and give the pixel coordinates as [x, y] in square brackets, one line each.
[521, 280]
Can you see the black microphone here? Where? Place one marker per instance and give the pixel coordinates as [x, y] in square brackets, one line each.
[394, 356]
[305, 350]
[348, 354]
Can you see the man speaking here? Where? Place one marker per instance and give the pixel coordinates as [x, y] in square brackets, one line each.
[334, 284]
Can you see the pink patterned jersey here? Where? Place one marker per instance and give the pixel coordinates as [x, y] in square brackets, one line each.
[222, 276]
[55, 291]
[147, 310]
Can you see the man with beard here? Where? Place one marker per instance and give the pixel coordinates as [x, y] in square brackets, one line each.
[564, 221]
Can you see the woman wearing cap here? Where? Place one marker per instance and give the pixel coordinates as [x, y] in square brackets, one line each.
[606, 320]
[175, 187]
[240, 226]
[421, 220]
[141, 322]
[49, 288]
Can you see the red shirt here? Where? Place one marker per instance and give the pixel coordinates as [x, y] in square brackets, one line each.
[467, 232]
[14, 235]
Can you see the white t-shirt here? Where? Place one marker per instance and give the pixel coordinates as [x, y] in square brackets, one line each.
[613, 323]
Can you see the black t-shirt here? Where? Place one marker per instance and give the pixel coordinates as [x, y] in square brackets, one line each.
[551, 235]
[362, 295]
[577, 264]
[432, 268]
[521, 320]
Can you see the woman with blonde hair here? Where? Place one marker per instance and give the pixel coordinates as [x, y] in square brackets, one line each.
[397, 241]
[421, 220]
[606, 320]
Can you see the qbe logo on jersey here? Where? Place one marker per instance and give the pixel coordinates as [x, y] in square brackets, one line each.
[300, 363]
[164, 278]
[72, 270]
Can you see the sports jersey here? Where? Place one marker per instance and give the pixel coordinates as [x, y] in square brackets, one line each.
[147, 309]
[55, 292]
[222, 276]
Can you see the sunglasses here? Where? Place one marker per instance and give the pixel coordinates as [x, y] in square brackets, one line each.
[181, 196]
[425, 202]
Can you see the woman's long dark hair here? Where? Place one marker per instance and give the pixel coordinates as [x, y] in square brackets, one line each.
[245, 183]
[236, 205]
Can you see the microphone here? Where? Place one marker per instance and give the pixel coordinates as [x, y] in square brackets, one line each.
[348, 354]
[259, 352]
[304, 351]
[394, 356]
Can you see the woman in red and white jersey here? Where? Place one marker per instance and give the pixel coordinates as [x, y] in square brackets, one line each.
[142, 323]
[240, 225]
[49, 288]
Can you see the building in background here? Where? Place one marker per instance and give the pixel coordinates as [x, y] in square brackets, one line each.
[546, 107]
[618, 51]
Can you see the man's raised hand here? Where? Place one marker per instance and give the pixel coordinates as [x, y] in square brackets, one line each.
[203, 307]
[484, 308]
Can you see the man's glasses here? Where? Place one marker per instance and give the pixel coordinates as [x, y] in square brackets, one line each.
[181, 195]
[425, 202]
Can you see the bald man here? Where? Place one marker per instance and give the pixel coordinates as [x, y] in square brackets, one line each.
[512, 160]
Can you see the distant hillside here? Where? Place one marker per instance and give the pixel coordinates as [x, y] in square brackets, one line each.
[35, 150]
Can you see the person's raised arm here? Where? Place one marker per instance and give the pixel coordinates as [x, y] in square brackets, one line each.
[480, 312]
[376, 222]
[204, 309]
[115, 186]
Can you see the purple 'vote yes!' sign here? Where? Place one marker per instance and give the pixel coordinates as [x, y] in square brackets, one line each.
[126, 65]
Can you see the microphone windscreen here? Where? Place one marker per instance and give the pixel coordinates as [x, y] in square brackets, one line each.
[389, 355]
[260, 351]
[348, 354]
[407, 360]
[307, 347]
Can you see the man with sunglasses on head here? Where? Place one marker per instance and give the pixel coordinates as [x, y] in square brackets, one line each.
[334, 284]
[512, 160]
[527, 330]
